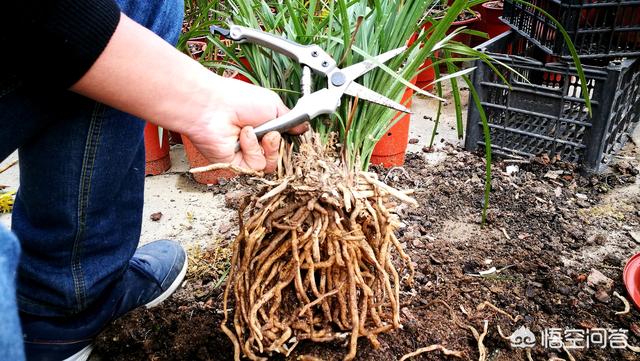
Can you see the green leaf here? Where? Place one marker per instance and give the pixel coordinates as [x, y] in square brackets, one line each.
[487, 147]
[451, 68]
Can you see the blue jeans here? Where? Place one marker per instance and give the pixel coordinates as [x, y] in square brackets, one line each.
[10, 335]
[78, 211]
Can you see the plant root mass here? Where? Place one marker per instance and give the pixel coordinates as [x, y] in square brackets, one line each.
[315, 258]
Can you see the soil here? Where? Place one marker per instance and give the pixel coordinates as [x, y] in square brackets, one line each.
[466, 17]
[497, 5]
[462, 17]
[548, 227]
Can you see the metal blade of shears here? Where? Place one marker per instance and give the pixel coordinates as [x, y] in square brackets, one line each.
[357, 70]
[356, 90]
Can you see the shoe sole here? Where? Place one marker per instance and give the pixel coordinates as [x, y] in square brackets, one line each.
[174, 286]
[82, 355]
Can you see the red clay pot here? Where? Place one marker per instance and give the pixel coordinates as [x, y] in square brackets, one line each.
[196, 159]
[468, 23]
[551, 79]
[391, 148]
[157, 157]
[474, 8]
[491, 24]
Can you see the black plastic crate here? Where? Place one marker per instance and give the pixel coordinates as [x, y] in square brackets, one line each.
[597, 28]
[546, 112]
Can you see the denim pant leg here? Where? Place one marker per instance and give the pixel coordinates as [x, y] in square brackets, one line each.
[78, 210]
[11, 347]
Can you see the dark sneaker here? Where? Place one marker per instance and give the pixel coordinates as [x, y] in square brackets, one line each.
[156, 270]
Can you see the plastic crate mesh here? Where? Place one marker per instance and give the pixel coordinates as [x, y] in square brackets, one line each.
[544, 111]
[625, 110]
[597, 28]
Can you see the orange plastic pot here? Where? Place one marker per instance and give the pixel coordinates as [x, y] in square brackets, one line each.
[426, 76]
[391, 148]
[157, 157]
[631, 278]
[196, 159]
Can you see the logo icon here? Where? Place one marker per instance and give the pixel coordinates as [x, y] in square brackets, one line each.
[522, 338]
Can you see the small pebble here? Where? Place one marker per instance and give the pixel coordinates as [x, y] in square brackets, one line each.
[530, 292]
[224, 228]
[596, 278]
[602, 296]
[234, 199]
[564, 290]
[582, 203]
[418, 243]
[612, 259]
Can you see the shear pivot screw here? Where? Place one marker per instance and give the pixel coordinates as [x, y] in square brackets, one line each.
[314, 54]
[325, 64]
[338, 79]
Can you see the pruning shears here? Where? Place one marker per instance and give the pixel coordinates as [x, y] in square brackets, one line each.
[313, 58]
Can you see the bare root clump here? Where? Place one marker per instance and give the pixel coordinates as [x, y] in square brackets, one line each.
[314, 258]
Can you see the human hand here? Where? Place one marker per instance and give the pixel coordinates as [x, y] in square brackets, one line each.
[232, 116]
[141, 74]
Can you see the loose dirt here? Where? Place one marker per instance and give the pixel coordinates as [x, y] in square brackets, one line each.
[548, 227]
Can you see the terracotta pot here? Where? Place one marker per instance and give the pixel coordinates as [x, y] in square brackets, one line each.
[391, 148]
[196, 159]
[157, 157]
[490, 14]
